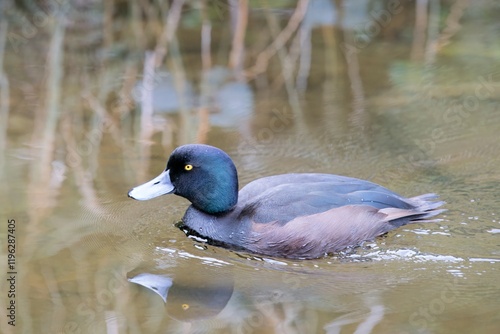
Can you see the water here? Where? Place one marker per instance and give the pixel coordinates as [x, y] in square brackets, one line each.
[86, 115]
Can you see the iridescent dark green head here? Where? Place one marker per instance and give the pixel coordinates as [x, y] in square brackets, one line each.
[203, 174]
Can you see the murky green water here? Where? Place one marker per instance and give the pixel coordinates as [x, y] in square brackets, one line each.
[93, 98]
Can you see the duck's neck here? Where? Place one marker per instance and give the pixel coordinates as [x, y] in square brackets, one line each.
[219, 193]
[215, 201]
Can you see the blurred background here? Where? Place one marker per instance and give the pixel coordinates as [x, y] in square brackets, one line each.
[94, 95]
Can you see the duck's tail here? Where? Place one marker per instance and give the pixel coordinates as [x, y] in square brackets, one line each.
[428, 207]
[423, 208]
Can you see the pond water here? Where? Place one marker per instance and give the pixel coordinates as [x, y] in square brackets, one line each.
[94, 97]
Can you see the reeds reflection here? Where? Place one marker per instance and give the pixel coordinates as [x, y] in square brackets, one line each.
[102, 53]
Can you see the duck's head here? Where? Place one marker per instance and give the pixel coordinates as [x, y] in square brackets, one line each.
[203, 174]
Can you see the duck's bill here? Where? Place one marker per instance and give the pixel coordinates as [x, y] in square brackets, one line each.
[158, 186]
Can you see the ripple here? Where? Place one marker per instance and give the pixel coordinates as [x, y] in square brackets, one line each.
[479, 259]
[456, 272]
[408, 254]
[205, 259]
[421, 231]
[494, 230]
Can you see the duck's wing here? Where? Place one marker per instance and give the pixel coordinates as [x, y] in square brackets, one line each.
[282, 198]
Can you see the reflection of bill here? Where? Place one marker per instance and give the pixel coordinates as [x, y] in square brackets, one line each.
[193, 296]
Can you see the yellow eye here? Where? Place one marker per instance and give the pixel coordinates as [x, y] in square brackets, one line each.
[188, 167]
[185, 307]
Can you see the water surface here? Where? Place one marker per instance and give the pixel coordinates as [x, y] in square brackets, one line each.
[95, 97]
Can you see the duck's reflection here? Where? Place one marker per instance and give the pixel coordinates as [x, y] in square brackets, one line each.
[189, 295]
[267, 299]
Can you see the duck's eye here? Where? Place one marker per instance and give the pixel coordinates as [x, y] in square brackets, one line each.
[188, 167]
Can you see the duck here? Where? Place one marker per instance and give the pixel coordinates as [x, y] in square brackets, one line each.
[295, 216]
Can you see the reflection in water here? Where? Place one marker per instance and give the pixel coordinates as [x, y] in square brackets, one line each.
[4, 91]
[190, 297]
[166, 97]
[220, 297]
[157, 283]
[368, 321]
[404, 93]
